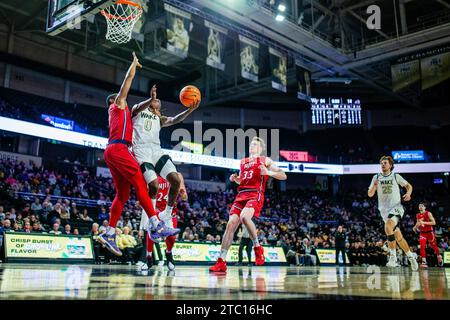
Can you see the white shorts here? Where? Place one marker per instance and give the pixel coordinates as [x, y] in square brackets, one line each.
[154, 161]
[394, 213]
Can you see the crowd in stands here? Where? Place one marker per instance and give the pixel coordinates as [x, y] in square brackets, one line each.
[332, 145]
[299, 221]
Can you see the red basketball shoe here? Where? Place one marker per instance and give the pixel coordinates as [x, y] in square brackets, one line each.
[220, 266]
[259, 256]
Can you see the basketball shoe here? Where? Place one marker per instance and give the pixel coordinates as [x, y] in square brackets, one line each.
[259, 256]
[220, 266]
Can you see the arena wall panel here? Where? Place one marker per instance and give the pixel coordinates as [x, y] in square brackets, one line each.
[92, 69]
[40, 53]
[87, 95]
[37, 83]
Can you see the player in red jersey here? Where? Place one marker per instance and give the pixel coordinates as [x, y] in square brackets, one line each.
[425, 223]
[124, 168]
[254, 172]
[161, 203]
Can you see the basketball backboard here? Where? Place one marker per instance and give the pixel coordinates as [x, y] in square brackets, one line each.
[68, 14]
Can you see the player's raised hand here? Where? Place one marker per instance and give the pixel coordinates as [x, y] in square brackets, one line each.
[183, 194]
[136, 61]
[195, 105]
[153, 92]
[233, 177]
[406, 197]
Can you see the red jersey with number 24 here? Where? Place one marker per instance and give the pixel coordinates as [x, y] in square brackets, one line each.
[163, 194]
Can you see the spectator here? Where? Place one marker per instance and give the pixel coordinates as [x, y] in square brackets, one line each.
[340, 238]
[37, 228]
[85, 216]
[104, 226]
[64, 215]
[309, 254]
[55, 229]
[97, 247]
[246, 243]
[54, 214]
[67, 229]
[36, 206]
[127, 243]
[76, 232]
[103, 215]
[27, 227]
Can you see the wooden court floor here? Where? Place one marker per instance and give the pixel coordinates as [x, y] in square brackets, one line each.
[118, 282]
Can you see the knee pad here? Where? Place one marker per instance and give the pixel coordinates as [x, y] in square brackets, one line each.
[391, 237]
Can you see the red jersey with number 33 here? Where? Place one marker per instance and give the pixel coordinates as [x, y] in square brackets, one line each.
[250, 175]
[424, 217]
[163, 194]
[120, 126]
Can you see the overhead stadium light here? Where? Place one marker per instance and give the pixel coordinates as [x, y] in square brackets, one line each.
[279, 17]
[335, 80]
[281, 7]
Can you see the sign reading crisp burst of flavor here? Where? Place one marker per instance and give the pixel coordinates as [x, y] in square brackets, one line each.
[46, 246]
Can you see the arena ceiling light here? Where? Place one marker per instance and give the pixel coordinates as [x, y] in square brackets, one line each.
[334, 80]
[279, 17]
[281, 7]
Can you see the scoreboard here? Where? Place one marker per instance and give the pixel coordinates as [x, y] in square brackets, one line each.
[335, 111]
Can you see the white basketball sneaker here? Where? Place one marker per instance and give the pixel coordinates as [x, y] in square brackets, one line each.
[413, 261]
[392, 263]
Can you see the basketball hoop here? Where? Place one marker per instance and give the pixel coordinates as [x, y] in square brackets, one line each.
[121, 17]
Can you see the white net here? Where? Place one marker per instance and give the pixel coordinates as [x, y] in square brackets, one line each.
[121, 18]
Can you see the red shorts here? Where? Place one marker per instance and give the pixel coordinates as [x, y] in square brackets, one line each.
[121, 162]
[429, 237]
[248, 200]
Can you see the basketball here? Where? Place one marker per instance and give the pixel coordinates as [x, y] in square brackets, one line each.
[189, 95]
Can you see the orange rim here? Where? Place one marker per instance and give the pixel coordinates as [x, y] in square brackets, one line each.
[127, 2]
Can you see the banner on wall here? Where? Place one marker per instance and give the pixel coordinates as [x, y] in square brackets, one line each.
[199, 185]
[104, 172]
[57, 122]
[404, 74]
[208, 252]
[435, 69]
[328, 256]
[46, 246]
[249, 55]
[178, 28]
[10, 156]
[216, 45]
[303, 82]
[278, 65]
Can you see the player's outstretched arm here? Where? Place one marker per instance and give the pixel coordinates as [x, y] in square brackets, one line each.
[373, 187]
[144, 104]
[272, 170]
[409, 190]
[170, 121]
[126, 85]
[183, 193]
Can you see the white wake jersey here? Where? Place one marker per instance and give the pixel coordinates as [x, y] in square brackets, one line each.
[146, 127]
[388, 190]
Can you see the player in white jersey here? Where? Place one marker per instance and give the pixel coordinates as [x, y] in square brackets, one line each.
[387, 185]
[147, 123]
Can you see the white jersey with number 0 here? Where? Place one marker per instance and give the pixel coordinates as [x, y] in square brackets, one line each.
[146, 127]
[388, 190]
